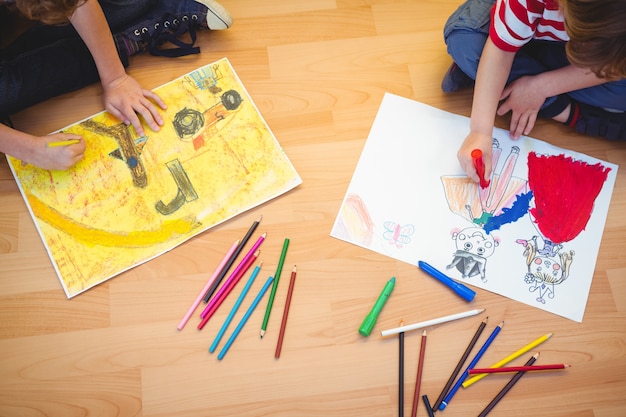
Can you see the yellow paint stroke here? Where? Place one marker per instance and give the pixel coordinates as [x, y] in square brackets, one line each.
[92, 237]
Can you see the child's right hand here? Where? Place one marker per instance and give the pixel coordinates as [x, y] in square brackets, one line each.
[57, 157]
[475, 141]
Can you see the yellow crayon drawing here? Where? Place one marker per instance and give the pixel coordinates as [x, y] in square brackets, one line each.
[133, 198]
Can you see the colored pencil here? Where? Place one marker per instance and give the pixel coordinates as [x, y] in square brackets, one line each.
[432, 322]
[459, 365]
[418, 380]
[236, 306]
[62, 143]
[283, 324]
[518, 369]
[198, 300]
[509, 358]
[231, 261]
[270, 301]
[474, 361]
[226, 289]
[401, 373]
[245, 318]
[507, 388]
[429, 409]
[242, 264]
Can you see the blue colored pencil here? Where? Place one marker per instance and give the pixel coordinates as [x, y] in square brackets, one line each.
[472, 364]
[245, 290]
[245, 318]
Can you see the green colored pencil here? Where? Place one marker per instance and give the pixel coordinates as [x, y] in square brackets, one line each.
[270, 302]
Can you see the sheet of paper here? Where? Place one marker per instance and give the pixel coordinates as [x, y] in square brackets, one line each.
[133, 198]
[533, 235]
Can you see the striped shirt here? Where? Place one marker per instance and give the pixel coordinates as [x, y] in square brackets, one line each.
[515, 22]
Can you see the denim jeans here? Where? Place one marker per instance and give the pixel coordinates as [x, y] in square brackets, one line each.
[466, 32]
[50, 60]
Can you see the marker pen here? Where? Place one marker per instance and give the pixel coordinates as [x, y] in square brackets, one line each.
[479, 164]
[461, 290]
[370, 319]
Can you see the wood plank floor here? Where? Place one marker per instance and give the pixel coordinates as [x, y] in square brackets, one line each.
[317, 70]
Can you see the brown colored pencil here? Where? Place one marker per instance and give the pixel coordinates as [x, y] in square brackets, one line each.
[418, 381]
[507, 387]
[456, 371]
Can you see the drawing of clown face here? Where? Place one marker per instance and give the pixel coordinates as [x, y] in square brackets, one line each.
[473, 246]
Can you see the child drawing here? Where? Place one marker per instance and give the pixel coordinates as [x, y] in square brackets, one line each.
[547, 267]
[473, 247]
[398, 235]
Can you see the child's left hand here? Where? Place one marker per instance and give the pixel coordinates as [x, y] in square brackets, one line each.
[523, 98]
[125, 99]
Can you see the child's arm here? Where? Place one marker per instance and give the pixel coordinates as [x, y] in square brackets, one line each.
[123, 96]
[34, 150]
[493, 71]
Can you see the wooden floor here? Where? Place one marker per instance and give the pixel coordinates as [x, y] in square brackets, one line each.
[317, 70]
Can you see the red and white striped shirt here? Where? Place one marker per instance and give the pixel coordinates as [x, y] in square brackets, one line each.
[515, 22]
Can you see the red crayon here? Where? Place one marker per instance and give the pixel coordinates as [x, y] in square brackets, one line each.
[477, 156]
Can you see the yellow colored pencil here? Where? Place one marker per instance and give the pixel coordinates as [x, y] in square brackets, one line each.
[63, 143]
[508, 359]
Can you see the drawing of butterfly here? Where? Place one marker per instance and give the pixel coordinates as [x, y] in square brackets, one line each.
[398, 235]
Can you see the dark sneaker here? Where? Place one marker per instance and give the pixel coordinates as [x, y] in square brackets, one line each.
[455, 80]
[174, 19]
[596, 121]
[217, 17]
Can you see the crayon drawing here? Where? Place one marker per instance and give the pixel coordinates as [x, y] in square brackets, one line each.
[133, 198]
[532, 234]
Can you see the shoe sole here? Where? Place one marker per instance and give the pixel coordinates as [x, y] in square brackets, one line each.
[217, 17]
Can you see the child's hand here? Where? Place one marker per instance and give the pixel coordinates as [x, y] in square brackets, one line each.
[57, 157]
[475, 141]
[523, 97]
[124, 98]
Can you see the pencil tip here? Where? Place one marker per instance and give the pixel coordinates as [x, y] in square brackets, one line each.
[424, 333]
[262, 333]
[536, 355]
[294, 269]
[260, 218]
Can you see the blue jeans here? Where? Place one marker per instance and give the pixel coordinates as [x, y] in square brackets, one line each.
[466, 32]
[50, 60]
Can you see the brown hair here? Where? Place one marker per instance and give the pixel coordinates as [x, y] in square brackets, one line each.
[597, 32]
[52, 12]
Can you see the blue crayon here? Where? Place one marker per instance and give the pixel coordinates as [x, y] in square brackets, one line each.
[461, 290]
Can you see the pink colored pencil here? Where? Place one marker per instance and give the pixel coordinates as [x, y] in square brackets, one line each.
[226, 289]
[518, 368]
[197, 301]
[237, 272]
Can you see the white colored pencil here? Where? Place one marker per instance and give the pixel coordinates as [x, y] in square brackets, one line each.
[432, 322]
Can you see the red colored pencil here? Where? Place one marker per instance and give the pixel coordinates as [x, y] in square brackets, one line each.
[518, 368]
[418, 381]
[283, 324]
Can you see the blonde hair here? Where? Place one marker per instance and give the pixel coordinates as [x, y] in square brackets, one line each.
[597, 32]
[51, 12]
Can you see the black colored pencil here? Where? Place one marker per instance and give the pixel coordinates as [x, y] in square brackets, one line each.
[429, 410]
[230, 262]
[507, 387]
[456, 371]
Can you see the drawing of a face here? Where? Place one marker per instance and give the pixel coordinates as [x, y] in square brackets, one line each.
[475, 241]
[473, 247]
